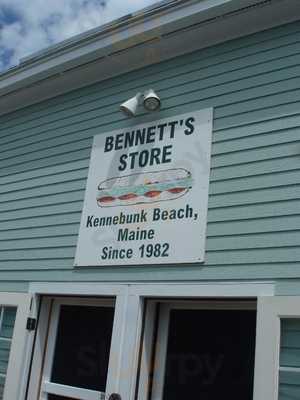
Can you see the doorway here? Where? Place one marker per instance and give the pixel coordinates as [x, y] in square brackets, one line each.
[202, 350]
[143, 347]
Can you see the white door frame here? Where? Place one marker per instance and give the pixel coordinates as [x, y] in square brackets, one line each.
[128, 315]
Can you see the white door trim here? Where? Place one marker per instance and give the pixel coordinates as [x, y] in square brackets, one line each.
[125, 346]
[36, 348]
[77, 289]
[202, 289]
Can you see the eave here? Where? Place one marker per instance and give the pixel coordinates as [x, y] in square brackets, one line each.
[166, 30]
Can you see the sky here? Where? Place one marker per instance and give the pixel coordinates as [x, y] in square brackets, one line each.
[27, 26]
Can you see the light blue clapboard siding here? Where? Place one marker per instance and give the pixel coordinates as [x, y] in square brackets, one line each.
[289, 380]
[289, 386]
[253, 230]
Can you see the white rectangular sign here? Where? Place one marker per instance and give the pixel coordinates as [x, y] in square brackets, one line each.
[147, 193]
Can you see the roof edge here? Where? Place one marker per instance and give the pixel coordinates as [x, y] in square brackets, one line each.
[167, 29]
[153, 21]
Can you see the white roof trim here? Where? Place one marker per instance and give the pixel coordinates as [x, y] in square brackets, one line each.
[119, 47]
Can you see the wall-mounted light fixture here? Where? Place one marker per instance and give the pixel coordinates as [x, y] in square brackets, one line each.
[149, 99]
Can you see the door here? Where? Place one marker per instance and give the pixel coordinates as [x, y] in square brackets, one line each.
[77, 346]
[202, 350]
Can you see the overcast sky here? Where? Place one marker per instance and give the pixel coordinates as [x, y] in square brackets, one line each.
[27, 26]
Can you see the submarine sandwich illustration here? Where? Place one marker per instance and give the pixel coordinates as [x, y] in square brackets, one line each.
[145, 187]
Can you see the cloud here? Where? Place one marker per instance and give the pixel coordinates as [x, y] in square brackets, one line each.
[27, 26]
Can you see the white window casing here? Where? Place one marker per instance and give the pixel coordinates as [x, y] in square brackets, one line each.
[270, 311]
[14, 373]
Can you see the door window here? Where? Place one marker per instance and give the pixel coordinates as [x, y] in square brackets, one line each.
[210, 354]
[203, 351]
[78, 349]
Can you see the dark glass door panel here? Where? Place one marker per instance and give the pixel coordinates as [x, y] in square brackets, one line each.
[82, 347]
[210, 355]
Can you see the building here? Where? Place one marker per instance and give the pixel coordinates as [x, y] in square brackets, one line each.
[228, 324]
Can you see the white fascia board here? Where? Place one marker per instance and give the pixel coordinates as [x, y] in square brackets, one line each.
[139, 29]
